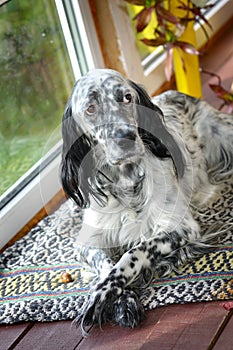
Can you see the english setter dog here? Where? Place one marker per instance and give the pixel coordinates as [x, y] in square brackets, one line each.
[138, 166]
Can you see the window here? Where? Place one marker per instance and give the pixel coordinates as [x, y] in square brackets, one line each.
[36, 78]
[43, 50]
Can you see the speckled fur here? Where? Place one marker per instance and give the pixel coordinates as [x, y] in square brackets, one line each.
[138, 167]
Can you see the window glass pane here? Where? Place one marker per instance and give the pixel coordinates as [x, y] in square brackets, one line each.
[36, 80]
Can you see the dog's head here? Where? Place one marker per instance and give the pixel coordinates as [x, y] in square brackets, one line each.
[112, 118]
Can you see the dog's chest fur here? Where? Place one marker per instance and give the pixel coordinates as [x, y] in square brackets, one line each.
[133, 211]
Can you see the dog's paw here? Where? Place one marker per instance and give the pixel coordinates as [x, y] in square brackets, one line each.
[128, 311]
[99, 308]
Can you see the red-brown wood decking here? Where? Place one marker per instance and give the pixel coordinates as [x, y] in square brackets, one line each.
[198, 326]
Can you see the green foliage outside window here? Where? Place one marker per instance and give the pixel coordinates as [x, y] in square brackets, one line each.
[35, 82]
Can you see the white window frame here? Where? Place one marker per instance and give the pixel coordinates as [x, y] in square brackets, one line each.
[36, 194]
[17, 213]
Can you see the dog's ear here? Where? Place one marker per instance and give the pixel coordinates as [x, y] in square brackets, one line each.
[77, 160]
[153, 132]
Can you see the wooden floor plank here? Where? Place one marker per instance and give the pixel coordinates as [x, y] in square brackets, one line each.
[176, 327]
[62, 335]
[187, 327]
[199, 334]
[225, 341]
[112, 336]
[10, 334]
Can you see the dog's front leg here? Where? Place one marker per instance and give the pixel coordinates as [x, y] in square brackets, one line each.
[113, 297]
[110, 301]
[97, 259]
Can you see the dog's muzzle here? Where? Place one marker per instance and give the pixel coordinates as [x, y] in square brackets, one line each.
[123, 143]
[125, 139]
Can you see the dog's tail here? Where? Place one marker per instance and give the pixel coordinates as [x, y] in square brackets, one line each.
[215, 130]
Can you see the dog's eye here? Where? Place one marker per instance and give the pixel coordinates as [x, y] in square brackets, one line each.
[127, 98]
[91, 109]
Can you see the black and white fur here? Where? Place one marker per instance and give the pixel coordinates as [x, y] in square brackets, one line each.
[138, 166]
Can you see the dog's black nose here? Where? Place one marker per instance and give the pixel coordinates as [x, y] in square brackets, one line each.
[124, 134]
[125, 138]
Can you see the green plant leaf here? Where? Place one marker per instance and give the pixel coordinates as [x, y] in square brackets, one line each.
[170, 36]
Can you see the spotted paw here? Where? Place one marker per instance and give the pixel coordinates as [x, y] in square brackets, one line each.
[128, 311]
[99, 308]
